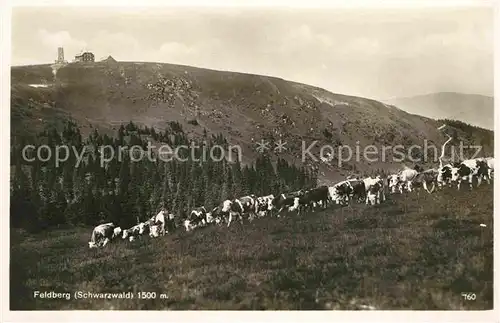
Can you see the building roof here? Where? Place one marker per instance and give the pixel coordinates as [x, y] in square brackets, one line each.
[84, 54]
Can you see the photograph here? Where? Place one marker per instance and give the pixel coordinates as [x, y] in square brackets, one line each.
[251, 158]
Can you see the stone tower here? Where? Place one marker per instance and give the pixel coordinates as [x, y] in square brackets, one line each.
[60, 55]
[60, 62]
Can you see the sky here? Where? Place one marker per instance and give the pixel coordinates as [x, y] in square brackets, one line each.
[376, 53]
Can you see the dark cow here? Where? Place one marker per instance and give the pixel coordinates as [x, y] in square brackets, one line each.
[359, 191]
[171, 222]
[343, 192]
[318, 195]
[285, 200]
[289, 204]
[216, 214]
[280, 197]
[444, 175]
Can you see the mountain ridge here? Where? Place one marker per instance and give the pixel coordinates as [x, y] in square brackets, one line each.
[450, 105]
[244, 107]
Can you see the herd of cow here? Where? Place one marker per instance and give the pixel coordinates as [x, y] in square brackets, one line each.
[370, 190]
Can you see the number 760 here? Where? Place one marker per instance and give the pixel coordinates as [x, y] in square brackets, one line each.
[469, 296]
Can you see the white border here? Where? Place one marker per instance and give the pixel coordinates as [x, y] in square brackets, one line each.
[262, 3]
[217, 316]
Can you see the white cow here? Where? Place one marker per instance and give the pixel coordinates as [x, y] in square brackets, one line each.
[159, 220]
[101, 235]
[226, 209]
[374, 188]
[468, 169]
[402, 180]
[197, 218]
[490, 161]
[117, 232]
[135, 231]
[265, 204]
[295, 205]
[210, 218]
[155, 231]
[239, 207]
[394, 184]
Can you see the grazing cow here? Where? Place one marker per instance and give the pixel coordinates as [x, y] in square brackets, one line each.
[155, 230]
[340, 192]
[197, 217]
[170, 222]
[290, 204]
[265, 204]
[490, 162]
[343, 192]
[136, 230]
[285, 200]
[313, 197]
[101, 235]
[468, 169]
[159, 220]
[394, 184]
[244, 206]
[444, 175]
[227, 212]
[425, 179]
[278, 200]
[359, 190]
[402, 180]
[374, 188]
[117, 232]
[216, 214]
[211, 219]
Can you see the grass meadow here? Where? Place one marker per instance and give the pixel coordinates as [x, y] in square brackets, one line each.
[416, 251]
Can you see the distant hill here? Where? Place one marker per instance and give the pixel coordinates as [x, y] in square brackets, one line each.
[470, 108]
[243, 107]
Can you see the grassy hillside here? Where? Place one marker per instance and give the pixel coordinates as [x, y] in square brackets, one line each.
[416, 251]
[243, 107]
[474, 109]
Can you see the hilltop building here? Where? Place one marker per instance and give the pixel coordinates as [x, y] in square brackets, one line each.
[60, 56]
[109, 60]
[85, 57]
